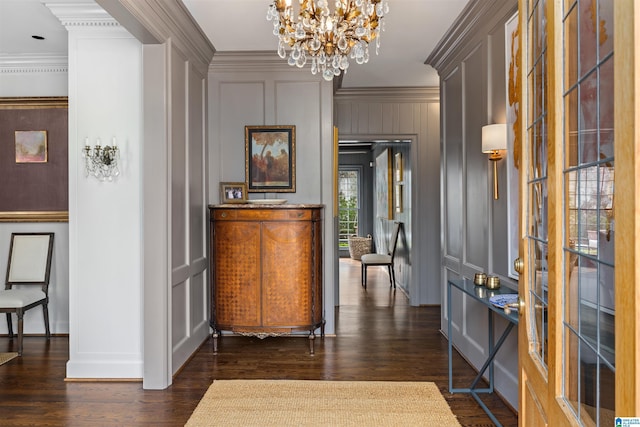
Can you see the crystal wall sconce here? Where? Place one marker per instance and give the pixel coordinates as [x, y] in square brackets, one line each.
[101, 162]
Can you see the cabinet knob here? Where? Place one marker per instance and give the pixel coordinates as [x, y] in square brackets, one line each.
[223, 214]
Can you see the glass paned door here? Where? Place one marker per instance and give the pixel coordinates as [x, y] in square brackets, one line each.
[537, 238]
[570, 351]
[588, 175]
[348, 204]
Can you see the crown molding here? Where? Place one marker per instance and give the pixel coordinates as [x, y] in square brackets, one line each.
[388, 94]
[161, 21]
[80, 14]
[252, 61]
[462, 35]
[10, 64]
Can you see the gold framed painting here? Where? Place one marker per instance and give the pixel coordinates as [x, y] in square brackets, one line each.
[270, 159]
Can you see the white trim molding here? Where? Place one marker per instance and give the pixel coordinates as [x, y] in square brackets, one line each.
[80, 14]
[20, 63]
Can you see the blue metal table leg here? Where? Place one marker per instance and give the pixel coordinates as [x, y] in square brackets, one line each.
[492, 355]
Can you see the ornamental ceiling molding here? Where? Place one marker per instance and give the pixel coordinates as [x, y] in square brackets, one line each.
[82, 14]
[21, 64]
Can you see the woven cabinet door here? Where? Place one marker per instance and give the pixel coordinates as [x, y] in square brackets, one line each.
[286, 273]
[237, 273]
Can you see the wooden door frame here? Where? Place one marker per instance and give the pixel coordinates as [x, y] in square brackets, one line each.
[627, 205]
[627, 216]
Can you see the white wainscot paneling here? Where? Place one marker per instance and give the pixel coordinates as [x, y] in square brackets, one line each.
[179, 224]
[179, 312]
[198, 312]
[476, 325]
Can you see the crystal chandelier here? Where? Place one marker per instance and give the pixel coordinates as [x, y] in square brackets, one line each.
[328, 38]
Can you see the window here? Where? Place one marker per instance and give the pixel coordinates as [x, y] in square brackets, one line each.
[348, 203]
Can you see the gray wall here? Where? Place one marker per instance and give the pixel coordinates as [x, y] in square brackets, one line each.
[471, 62]
[411, 114]
[258, 88]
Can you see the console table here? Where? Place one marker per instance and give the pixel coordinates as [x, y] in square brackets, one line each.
[482, 295]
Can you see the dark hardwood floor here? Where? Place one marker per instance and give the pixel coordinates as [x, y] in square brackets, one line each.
[379, 337]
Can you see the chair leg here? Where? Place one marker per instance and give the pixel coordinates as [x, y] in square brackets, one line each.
[10, 324]
[45, 312]
[20, 326]
[391, 278]
[364, 275]
[393, 272]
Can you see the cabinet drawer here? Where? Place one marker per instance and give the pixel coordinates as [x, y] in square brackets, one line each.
[223, 214]
[262, 214]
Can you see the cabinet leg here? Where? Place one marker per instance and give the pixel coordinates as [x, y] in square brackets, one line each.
[312, 339]
[215, 341]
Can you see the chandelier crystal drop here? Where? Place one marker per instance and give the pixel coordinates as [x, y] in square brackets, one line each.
[313, 32]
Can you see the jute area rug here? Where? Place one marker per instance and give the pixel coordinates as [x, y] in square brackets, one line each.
[322, 403]
[5, 357]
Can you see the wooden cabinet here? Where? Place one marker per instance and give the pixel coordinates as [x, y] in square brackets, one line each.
[266, 270]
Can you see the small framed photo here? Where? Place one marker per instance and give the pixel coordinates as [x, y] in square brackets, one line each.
[233, 192]
[270, 159]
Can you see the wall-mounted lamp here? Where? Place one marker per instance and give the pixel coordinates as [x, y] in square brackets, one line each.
[101, 162]
[494, 141]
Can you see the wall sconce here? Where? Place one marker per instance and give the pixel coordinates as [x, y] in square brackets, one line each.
[101, 162]
[494, 141]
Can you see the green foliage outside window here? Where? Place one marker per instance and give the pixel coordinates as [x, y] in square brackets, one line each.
[348, 218]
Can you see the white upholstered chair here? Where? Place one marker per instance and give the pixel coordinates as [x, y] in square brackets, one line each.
[27, 282]
[383, 259]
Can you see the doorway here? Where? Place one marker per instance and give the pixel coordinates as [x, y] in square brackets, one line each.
[359, 171]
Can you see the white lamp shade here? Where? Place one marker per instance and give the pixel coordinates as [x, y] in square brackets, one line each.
[494, 137]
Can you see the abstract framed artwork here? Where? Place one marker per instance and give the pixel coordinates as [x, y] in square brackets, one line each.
[513, 143]
[31, 146]
[383, 187]
[398, 167]
[398, 198]
[270, 159]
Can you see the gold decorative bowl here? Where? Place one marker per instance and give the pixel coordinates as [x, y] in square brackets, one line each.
[493, 282]
[480, 279]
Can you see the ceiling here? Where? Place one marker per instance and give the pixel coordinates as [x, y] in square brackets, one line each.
[412, 30]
